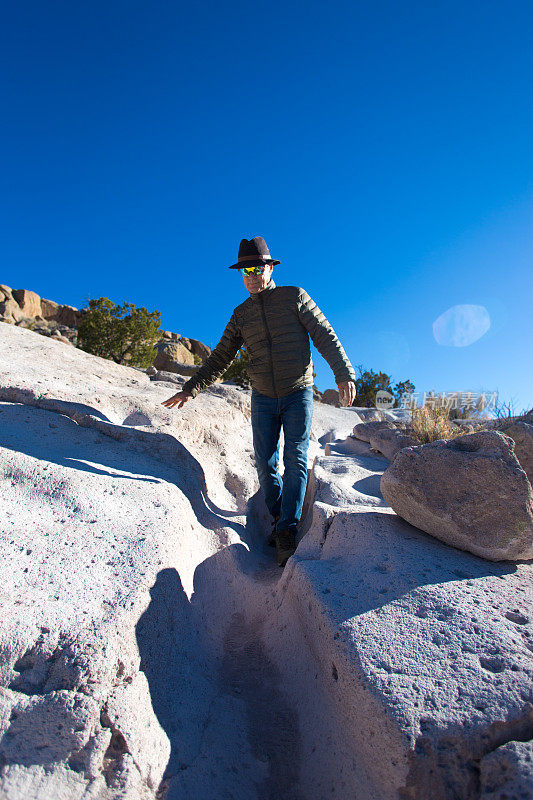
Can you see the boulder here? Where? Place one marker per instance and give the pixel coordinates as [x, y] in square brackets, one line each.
[200, 349]
[522, 435]
[177, 368]
[68, 315]
[366, 430]
[10, 310]
[5, 290]
[49, 308]
[507, 772]
[29, 302]
[389, 441]
[383, 436]
[62, 314]
[195, 347]
[469, 492]
[331, 398]
[170, 354]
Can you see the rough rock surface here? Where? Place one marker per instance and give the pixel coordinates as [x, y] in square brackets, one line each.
[149, 645]
[389, 442]
[331, 397]
[170, 354]
[29, 302]
[68, 315]
[196, 347]
[365, 430]
[383, 436]
[10, 311]
[49, 308]
[470, 492]
[421, 652]
[507, 772]
[522, 435]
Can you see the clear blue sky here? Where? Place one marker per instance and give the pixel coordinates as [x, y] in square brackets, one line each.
[383, 150]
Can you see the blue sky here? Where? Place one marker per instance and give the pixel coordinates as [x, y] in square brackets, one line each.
[382, 149]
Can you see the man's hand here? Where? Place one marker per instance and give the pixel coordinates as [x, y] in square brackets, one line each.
[346, 392]
[178, 399]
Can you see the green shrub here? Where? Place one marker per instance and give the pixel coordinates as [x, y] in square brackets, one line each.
[124, 334]
[369, 383]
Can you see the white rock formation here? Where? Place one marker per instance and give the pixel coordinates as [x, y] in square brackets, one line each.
[149, 643]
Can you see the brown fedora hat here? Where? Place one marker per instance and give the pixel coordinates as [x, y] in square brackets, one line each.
[253, 252]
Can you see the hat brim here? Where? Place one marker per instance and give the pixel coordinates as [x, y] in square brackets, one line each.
[253, 263]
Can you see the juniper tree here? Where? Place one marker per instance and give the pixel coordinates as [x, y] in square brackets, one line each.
[124, 334]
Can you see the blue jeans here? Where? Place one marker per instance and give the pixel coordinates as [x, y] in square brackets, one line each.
[295, 413]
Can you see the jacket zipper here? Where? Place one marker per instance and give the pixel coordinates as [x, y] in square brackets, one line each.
[269, 343]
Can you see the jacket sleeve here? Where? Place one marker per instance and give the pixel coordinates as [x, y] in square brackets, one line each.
[324, 338]
[218, 361]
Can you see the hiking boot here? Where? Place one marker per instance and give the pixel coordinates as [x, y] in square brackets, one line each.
[272, 537]
[285, 546]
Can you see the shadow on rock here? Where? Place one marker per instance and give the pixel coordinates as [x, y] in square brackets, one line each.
[58, 439]
[370, 559]
[214, 690]
[28, 397]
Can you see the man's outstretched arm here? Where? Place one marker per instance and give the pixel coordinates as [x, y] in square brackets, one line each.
[213, 367]
[328, 345]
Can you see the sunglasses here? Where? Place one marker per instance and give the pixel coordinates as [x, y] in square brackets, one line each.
[253, 270]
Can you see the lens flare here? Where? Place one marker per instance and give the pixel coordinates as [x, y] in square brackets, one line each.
[461, 325]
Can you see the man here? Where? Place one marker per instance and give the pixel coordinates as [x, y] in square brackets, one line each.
[274, 323]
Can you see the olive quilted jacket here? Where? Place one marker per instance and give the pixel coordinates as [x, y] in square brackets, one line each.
[274, 325]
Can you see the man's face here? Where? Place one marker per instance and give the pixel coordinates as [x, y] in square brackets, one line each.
[256, 283]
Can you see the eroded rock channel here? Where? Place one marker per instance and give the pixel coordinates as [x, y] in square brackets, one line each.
[149, 646]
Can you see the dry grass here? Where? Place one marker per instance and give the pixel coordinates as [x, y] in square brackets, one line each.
[429, 423]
